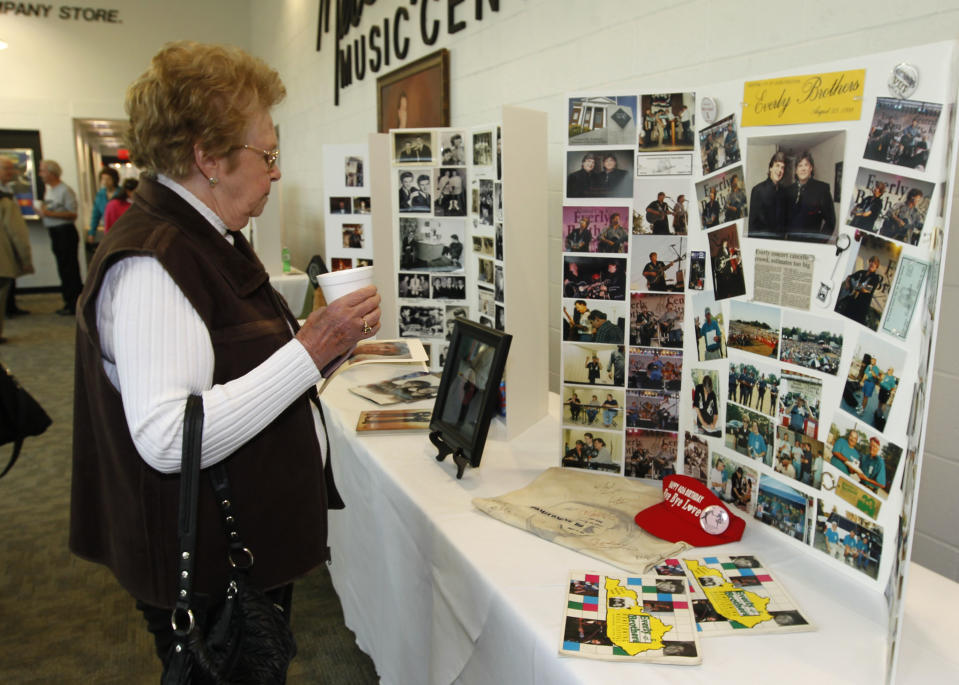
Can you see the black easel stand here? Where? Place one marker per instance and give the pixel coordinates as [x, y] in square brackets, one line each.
[436, 437]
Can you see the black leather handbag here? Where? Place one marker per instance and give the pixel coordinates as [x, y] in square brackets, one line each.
[20, 416]
[245, 638]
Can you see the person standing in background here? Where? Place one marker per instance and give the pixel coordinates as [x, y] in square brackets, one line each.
[120, 203]
[15, 255]
[59, 211]
[109, 181]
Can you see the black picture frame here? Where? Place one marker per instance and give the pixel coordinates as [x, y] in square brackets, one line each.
[468, 394]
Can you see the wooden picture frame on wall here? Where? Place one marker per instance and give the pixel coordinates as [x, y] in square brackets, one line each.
[417, 95]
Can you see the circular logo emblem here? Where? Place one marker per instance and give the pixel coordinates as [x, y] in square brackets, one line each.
[709, 109]
[714, 519]
[903, 80]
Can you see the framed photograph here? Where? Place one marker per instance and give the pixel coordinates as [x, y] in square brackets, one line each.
[415, 95]
[24, 184]
[469, 389]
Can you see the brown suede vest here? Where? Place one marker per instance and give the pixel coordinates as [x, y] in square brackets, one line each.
[123, 512]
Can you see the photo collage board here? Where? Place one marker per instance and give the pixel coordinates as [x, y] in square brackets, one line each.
[749, 296]
[448, 232]
[348, 208]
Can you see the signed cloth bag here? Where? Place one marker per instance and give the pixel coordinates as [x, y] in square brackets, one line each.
[20, 416]
[246, 638]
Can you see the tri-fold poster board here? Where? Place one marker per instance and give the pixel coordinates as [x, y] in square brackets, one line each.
[750, 293]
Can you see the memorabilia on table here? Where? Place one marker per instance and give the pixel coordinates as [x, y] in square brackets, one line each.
[393, 421]
[410, 387]
[644, 618]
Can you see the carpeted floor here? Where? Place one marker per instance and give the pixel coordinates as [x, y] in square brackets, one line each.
[64, 620]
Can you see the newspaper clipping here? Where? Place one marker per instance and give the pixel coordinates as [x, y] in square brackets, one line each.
[783, 278]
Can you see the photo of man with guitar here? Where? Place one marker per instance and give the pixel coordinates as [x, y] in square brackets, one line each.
[724, 251]
[658, 275]
[865, 289]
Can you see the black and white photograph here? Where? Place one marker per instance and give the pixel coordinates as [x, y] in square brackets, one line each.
[483, 148]
[602, 120]
[798, 456]
[782, 507]
[656, 320]
[651, 454]
[353, 236]
[448, 287]
[595, 229]
[498, 200]
[658, 264]
[754, 328]
[719, 145]
[484, 270]
[727, 266]
[893, 206]
[413, 147]
[662, 206]
[733, 482]
[668, 122]
[709, 324]
[452, 148]
[353, 172]
[341, 205]
[695, 462]
[722, 198]
[864, 291]
[498, 253]
[697, 270]
[653, 409]
[599, 321]
[870, 461]
[485, 303]
[450, 192]
[414, 285]
[706, 394]
[810, 341]
[453, 312]
[421, 322]
[415, 191]
[800, 400]
[595, 278]
[653, 368]
[499, 285]
[361, 205]
[431, 244]
[485, 202]
[749, 433]
[592, 364]
[848, 538]
[600, 173]
[754, 385]
[596, 450]
[902, 132]
[601, 408]
[873, 380]
[499, 322]
[793, 183]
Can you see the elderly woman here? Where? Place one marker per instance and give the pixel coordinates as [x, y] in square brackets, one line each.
[177, 302]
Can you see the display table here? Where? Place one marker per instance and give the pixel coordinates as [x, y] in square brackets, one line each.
[292, 287]
[438, 592]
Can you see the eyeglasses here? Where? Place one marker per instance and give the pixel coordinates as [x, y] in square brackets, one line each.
[269, 156]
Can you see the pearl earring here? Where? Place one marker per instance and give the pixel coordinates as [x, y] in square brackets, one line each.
[213, 181]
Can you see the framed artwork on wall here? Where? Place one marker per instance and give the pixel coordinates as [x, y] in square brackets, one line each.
[415, 95]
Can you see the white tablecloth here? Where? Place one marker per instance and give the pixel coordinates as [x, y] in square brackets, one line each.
[438, 592]
[292, 287]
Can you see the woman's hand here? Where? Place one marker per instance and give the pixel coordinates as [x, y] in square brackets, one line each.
[331, 331]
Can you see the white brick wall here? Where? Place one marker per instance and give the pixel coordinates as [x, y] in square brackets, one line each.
[535, 51]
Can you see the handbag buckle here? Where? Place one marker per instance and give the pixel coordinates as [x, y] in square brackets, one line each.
[190, 624]
[238, 563]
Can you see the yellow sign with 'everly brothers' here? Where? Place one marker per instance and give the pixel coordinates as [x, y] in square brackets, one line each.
[804, 99]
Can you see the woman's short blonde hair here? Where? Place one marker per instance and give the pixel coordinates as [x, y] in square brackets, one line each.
[195, 93]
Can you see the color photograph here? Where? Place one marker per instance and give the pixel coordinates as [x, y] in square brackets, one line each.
[695, 460]
[800, 397]
[864, 291]
[754, 328]
[656, 320]
[602, 120]
[600, 173]
[668, 122]
[727, 264]
[733, 482]
[721, 198]
[902, 132]
[848, 538]
[652, 409]
[754, 385]
[710, 326]
[706, 394]
[595, 229]
[594, 450]
[595, 278]
[719, 145]
[813, 342]
[782, 507]
[655, 369]
[749, 433]
[798, 456]
[591, 364]
[658, 264]
[651, 454]
[867, 460]
[872, 380]
[600, 321]
[893, 206]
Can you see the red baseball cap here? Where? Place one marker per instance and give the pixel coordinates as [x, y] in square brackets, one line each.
[690, 512]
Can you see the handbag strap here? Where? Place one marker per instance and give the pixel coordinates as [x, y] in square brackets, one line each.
[182, 618]
[240, 557]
